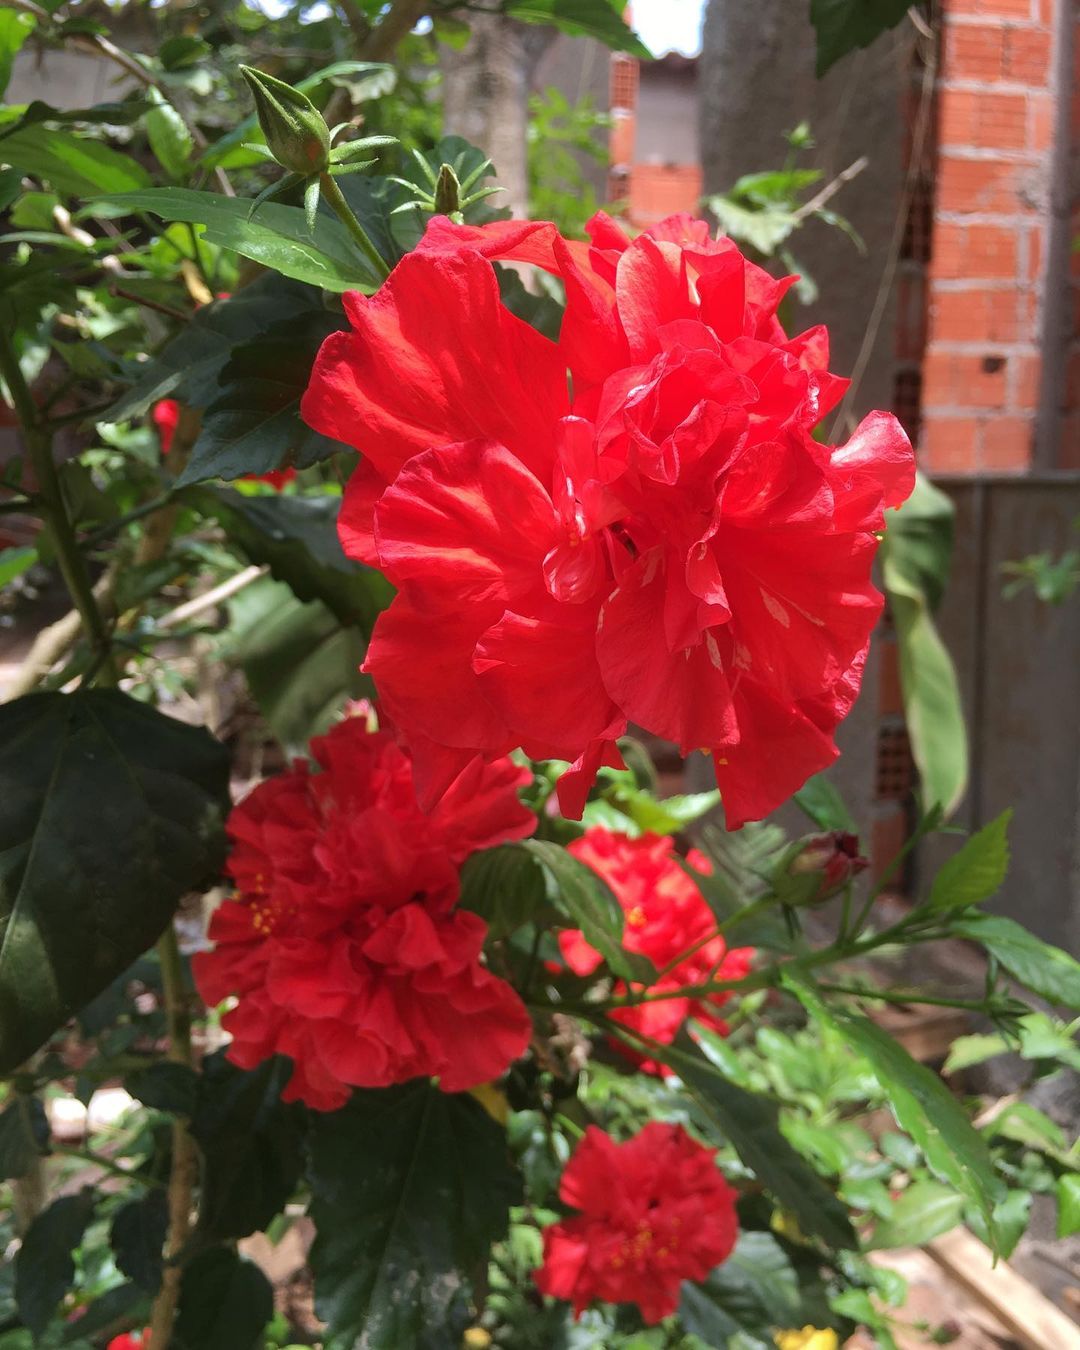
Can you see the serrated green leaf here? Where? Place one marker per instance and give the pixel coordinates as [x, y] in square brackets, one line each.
[976, 871]
[1045, 969]
[73, 165]
[410, 1187]
[750, 1122]
[820, 800]
[921, 1102]
[109, 813]
[137, 1235]
[755, 1291]
[165, 1086]
[225, 1302]
[599, 19]
[842, 26]
[504, 886]
[251, 1144]
[44, 1267]
[275, 236]
[967, 1051]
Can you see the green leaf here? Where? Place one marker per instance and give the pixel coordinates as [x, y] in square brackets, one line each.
[750, 1122]
[275, 236]
[101, 114]
[921, 1103]
[301, 665]
[576, 890]
[915, 558]
[844, 25]
[44, 1268]
[137, 1235]
[967, 1051]
[1068, 1202]
[24, 1135]
[73, 165]
[410, 1187]
[165, 1086]
[924, 1210]
[819, 799]
[252, 1146]
[1010, 1221]
[189, 367]
[124, 1303]
[225, 1302]
[667, 815]
[110, 813]
[1046, 970]
[755, 1291]
[297, 537]
[504, 886]
[15, 561]
[15, 28]
[252, 424]
[600, 19]
[169, 137]
[976, 871]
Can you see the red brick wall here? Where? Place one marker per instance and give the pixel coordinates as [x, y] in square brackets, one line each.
[1069, 453]
[995, 121]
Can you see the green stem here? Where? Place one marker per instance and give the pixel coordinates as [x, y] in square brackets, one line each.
[106, 1164]
[112, 527]
[904, 996]
[722, 929]
[343, 210]
[185, 1162]
[51, 499]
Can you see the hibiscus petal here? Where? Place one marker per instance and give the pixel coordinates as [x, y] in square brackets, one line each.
[875, 469]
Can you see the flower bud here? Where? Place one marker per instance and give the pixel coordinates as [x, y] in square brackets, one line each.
[296, 132]
[447, 192]
[815, 868]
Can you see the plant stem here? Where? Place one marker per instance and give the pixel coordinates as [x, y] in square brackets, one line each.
[106, 1164]
[51, 499]
[185, 1161]
[904, 996]
[343, 210]
[112, 527]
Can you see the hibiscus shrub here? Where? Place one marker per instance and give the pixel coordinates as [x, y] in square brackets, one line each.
[525, 1053]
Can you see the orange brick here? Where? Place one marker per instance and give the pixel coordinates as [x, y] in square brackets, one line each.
[1026, 56]
[1006, 443]
[973, 52]
[976, 316]
[1033, 265]
[988, 121]
[1026, 381]
[959, 380]
[982, 185]
[1041, 123]
[658, 190]
[978, 252]
[997, 9]
[621, 138]
[947, 444]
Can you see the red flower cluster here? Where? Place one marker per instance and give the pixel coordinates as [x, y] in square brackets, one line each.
[343, 945]
[669, 546]
[666, 916]
[166, 414]
[653, 1212]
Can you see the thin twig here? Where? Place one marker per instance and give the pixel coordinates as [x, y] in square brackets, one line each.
[210, 598]
[830, 189]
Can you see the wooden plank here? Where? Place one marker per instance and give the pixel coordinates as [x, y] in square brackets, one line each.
[1029, 1316]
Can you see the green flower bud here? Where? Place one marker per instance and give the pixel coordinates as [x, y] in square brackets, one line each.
[817, 867]
[296, 132]
[447, 192]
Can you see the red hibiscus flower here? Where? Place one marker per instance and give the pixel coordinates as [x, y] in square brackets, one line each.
[670, 547]
[131, 1340]
[653, 1212]
[666, 917]
[342, 946]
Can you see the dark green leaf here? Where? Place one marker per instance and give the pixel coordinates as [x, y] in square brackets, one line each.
[276, 236]
[123, 1305]
[924, 1107]
[253, 424]
[44, 1267]
[844, 25]
[251, 1143]
[225, 1302]
[924, 1210]
[73, 165]
[820, 800]
[15, 28]
[600, 19]
[576, 890]
[109, 114]
[137, 1235]
[755, 1291]
[165, 1086]
[297, 537]
[109, 813]
[976, 871]
[504, 886]
[1047, 970]
[410, 1187]
[185, 49]
[24, 1135]
[188, 368]
[301, 664]
[750, 1122]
